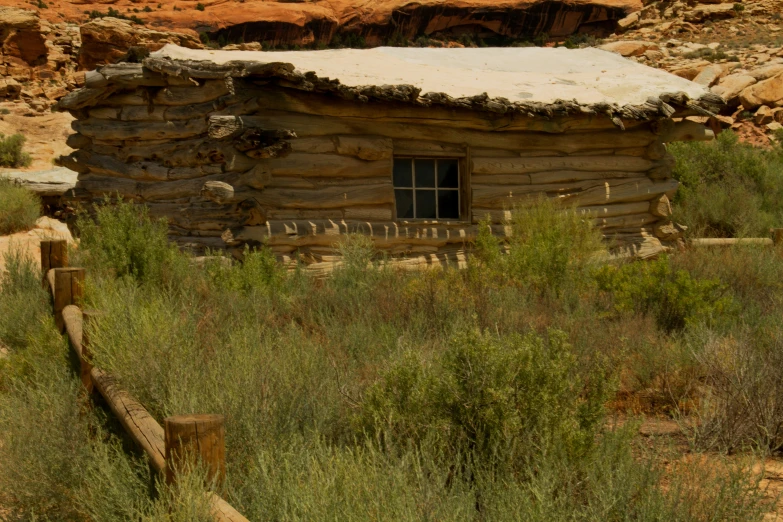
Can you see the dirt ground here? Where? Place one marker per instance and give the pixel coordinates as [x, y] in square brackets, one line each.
[30, 242]
[45, 132]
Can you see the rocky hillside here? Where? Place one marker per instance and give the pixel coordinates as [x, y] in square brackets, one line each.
[319, 22]
[735, 49]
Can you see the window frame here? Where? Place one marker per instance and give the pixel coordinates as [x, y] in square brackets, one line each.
[463, 186]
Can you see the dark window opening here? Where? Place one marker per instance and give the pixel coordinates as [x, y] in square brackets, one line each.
[426, 188]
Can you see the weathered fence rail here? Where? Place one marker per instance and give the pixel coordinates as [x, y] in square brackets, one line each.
[775, 239]
[185, 435]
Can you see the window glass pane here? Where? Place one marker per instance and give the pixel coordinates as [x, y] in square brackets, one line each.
[425, 173]
[404, 199]
[403, 174]
[425, 204]
[448, 173]
[448, 204]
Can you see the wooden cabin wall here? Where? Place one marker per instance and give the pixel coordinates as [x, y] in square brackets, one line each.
[215, 157]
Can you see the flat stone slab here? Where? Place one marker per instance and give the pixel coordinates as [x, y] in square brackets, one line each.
[520, 74]
[52, 182]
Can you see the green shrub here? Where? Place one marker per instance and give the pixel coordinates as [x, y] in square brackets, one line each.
[728, 188]
[551, 248]
[200, 6]
[19, 208]
[122, 238]
[490, 397]
[674, 297]
[11, 154]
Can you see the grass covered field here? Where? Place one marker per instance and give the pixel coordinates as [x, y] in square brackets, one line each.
[511, 390]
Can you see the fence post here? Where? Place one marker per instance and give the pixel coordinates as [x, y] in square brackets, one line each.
[89, 320]
[68, 290]
[199, 436]
[777, 236]
[54, 254]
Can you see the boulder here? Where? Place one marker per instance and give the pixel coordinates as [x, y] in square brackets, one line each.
[107, 40]
[768, 92]
[630, 47]
[766, 72]
[711, 12]
[629, 22]
[21, 41]
[709, 75]
[10, 88]
[731, 86]
[763, 115]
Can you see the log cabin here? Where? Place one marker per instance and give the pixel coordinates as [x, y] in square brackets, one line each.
[412, 147]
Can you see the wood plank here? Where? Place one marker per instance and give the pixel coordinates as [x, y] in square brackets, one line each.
[275, 98]
[122, 130]
[306, 125]
[580, 163]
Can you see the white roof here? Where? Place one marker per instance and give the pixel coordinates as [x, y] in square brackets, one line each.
[521, 74]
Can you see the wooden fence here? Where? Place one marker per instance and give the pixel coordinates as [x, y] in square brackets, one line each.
[182, 436]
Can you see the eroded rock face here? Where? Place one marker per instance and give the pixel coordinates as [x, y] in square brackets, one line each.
[107, 40]
[376, 22]
[21, 41]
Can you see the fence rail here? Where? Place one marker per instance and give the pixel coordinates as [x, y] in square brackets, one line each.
[186, 435]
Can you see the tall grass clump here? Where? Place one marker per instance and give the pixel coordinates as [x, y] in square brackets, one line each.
[59, 457]
[551, 248]
[19, 208]
[728, 188]
[381, 394]
[11, 153]
[123, 239]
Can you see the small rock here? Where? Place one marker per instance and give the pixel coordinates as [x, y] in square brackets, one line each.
[629, 47]
[774, 126]
[767, 92]
[763, 115]
[709, 75]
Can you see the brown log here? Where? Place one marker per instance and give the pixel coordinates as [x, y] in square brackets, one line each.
[324, 165]
[126, 130]
[274, 98]
[54, 254]
[777, 236]
[68, 290]
[210, 90]
[138, 423]
[585, 163]
[306, 125]
[747, 241]
[368, 148]
[190, 438]
[90, 320]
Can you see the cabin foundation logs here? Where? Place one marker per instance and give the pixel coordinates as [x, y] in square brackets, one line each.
[249, 153]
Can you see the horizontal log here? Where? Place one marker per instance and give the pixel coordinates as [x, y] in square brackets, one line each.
[125, 75]
[121, 130]
[369, 148]
[581, 163]
[632, 220]
[621, 209]
[414, 147]
[324, 165]
[83, 97]
[687, 130]
[275, 98]
[138, 423]
[330, 197]
[209, 91]
[625, 192]
[720, 241]
[306, 125]
[369, 213]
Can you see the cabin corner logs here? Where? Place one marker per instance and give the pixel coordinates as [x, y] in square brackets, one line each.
[248, 153]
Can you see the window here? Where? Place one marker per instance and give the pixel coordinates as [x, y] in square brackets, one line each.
[427, 188]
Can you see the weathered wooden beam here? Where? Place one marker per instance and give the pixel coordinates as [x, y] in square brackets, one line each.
[720, 241]
[68, 290]
[54, 254]
[306, 125]
[193, 438]
[584, 163]
[126, 130]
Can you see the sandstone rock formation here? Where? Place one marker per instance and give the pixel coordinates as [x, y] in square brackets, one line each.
[374, 21]
[107, 40]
